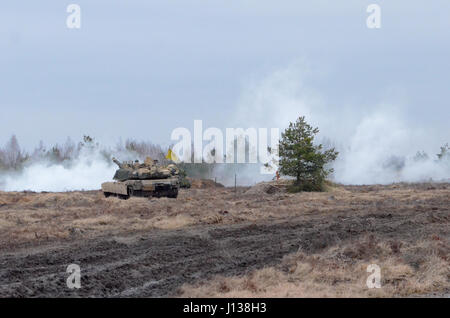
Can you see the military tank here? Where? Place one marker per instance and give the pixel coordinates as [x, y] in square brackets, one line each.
[146, 179]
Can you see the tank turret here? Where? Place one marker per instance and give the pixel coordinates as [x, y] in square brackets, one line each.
[143, 179]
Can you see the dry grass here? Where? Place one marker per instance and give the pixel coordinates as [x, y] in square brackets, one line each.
[33, 217]
[415, 261]
[341, 272]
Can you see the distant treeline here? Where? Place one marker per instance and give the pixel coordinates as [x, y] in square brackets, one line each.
[13, 158]
[444, 154]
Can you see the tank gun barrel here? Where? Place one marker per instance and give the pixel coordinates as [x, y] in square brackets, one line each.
[117, 162]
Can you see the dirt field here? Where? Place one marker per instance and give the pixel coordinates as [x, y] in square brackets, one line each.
[258, 242]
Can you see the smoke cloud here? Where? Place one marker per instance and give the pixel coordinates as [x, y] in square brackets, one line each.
[84, 167]
[377, 141]
[86, 173]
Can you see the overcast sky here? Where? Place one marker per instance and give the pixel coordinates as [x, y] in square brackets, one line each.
[142, 68]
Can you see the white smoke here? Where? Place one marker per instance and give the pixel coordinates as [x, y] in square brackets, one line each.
[87, 172]
[381, 151]
[376, 143]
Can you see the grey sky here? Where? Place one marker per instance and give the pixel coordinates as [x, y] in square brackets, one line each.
[142, 68]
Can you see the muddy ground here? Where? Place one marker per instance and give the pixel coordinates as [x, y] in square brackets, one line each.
[215, 242]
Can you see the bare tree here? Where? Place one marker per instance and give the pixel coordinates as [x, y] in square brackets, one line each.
[12, 155]
[69, 150]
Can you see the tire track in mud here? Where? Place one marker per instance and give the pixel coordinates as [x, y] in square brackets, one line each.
[155, 264]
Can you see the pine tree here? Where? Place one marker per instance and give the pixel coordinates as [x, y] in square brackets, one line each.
[300, 158]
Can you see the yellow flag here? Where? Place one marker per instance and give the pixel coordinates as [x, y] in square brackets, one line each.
[172, 156]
